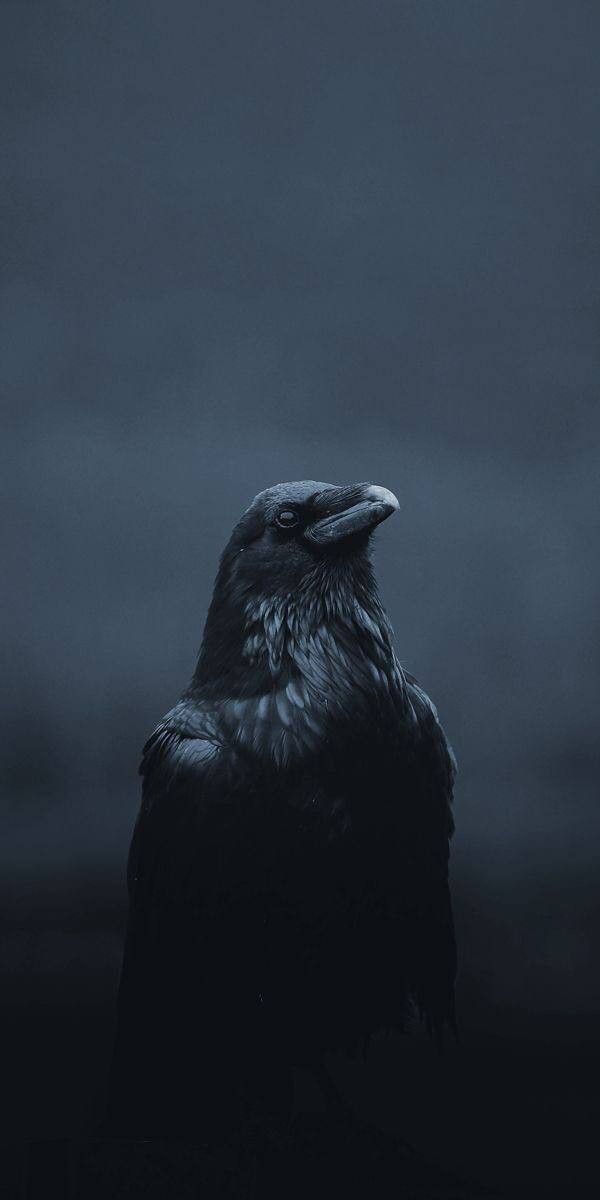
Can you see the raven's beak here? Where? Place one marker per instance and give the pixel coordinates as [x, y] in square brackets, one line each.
[351, 510]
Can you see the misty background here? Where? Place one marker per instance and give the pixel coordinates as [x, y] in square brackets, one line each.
[251, 242]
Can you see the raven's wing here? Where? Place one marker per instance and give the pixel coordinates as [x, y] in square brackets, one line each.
[428, 825]
[186, 972]
[437, 752]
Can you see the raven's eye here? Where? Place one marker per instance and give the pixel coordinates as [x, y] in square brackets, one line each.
[287, 518]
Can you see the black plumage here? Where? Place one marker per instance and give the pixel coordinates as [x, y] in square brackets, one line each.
[288, 874]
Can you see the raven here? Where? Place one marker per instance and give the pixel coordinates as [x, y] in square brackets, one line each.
[288, 872]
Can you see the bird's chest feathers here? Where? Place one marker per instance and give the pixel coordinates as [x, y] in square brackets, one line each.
[325, 669]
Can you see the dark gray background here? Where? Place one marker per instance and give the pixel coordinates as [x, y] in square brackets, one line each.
[249, 242]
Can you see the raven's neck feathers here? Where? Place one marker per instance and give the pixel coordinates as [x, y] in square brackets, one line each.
[285, 671]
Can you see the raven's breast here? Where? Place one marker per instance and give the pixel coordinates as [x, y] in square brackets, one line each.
[335, 930]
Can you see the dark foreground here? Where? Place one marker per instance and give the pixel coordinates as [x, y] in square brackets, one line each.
[316, 1157]
[512, 1107]
[509, 1114]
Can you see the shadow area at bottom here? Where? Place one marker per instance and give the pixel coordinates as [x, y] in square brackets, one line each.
[314, 1157]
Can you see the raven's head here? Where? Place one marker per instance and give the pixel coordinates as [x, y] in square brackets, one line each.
[294, 576]
[291, 528]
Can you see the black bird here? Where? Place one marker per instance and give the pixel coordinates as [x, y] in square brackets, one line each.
[288, 873]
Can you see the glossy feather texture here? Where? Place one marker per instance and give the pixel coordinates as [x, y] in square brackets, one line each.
[288, 873]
